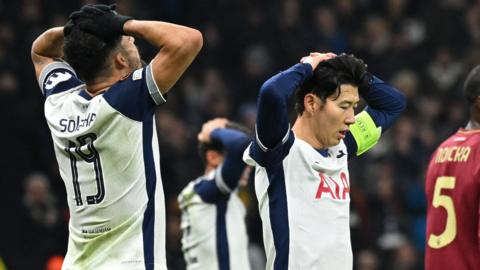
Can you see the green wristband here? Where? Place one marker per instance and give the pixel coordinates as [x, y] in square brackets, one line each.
[365, 132]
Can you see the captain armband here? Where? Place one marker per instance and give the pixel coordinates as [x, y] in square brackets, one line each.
[365, 132]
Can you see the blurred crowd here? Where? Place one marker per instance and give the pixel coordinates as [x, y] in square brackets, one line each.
[424, 48]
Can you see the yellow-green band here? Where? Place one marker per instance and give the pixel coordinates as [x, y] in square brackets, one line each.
[365, 132]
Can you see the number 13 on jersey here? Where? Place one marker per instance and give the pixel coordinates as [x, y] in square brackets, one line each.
[446, 202]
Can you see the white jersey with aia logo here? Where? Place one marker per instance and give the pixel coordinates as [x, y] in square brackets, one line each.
[108, 155]
[303, 197]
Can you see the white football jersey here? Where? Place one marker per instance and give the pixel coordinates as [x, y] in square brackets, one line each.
[108, 156]
[303, 197]
[214, 232]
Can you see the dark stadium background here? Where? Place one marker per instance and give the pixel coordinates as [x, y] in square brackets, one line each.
[424, 48]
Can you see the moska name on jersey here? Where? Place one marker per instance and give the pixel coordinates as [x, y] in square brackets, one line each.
[72, 125]
[453, 154]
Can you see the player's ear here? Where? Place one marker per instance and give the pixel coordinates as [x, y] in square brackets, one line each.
[213, 158]
[310, 104]
[477, 103]
[120, 61]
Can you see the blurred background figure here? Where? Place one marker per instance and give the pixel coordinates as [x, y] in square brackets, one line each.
[39, 203]
[367, 260]
[54, 263]
[42, 224]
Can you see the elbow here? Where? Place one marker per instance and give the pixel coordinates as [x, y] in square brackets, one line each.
[33, 50]
[196, 39]
[191, 41]
[269, 91]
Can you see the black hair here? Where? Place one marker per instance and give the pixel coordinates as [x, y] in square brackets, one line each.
[203, 148]
[329, 75]
[88, 54]
[471, 87]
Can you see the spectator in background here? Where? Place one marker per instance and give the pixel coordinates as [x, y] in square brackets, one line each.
[43, 227]
[40, 204]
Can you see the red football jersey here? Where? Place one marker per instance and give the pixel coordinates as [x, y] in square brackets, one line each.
[453, 192]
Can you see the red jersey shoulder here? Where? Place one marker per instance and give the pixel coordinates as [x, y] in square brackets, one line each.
[461, 147]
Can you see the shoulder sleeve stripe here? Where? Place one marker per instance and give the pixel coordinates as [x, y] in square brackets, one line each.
[263, 147]
[365, 132]
[222, 186]
[153, 89]
[49, 68]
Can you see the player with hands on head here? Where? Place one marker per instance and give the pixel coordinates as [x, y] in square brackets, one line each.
[99, 106]
[213, 216]
[301, 173]
[452, 187]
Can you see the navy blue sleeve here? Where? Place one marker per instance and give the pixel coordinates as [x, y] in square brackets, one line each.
[135, 95]
[209, 192]
[235, 143]
[384, 104]
[272, 118]
[229, 172]
[57, 77]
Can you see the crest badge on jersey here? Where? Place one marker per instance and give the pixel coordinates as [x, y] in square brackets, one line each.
[137, 74]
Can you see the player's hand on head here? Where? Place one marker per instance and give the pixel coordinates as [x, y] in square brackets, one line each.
[100, 20]
[365, 76]
[316, 58]
[209, 126]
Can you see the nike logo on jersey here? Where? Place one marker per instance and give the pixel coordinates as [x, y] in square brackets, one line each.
[56, 78]
[340, 154]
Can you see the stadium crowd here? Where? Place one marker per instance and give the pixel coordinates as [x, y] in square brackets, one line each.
[424, 48]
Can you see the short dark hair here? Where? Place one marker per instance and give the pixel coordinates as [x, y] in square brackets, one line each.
[329, 75]
[471, 87]
[203, 148]
[88, 54]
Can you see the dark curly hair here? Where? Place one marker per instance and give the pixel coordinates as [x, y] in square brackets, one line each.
[329, 75]
[88, 54]
[471, 86]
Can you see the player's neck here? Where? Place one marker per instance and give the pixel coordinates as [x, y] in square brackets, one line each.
[208, 169]
[303, 131]
[102, 83]
[97, 88]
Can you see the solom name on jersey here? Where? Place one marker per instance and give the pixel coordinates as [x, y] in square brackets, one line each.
[72, 125]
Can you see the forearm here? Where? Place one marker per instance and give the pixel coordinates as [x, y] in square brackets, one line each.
[272, 117]
[235, 143]
[178, 46]
[385, 103]
[47, 47]
[230, 139]
[49, 44]
[164, 35]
